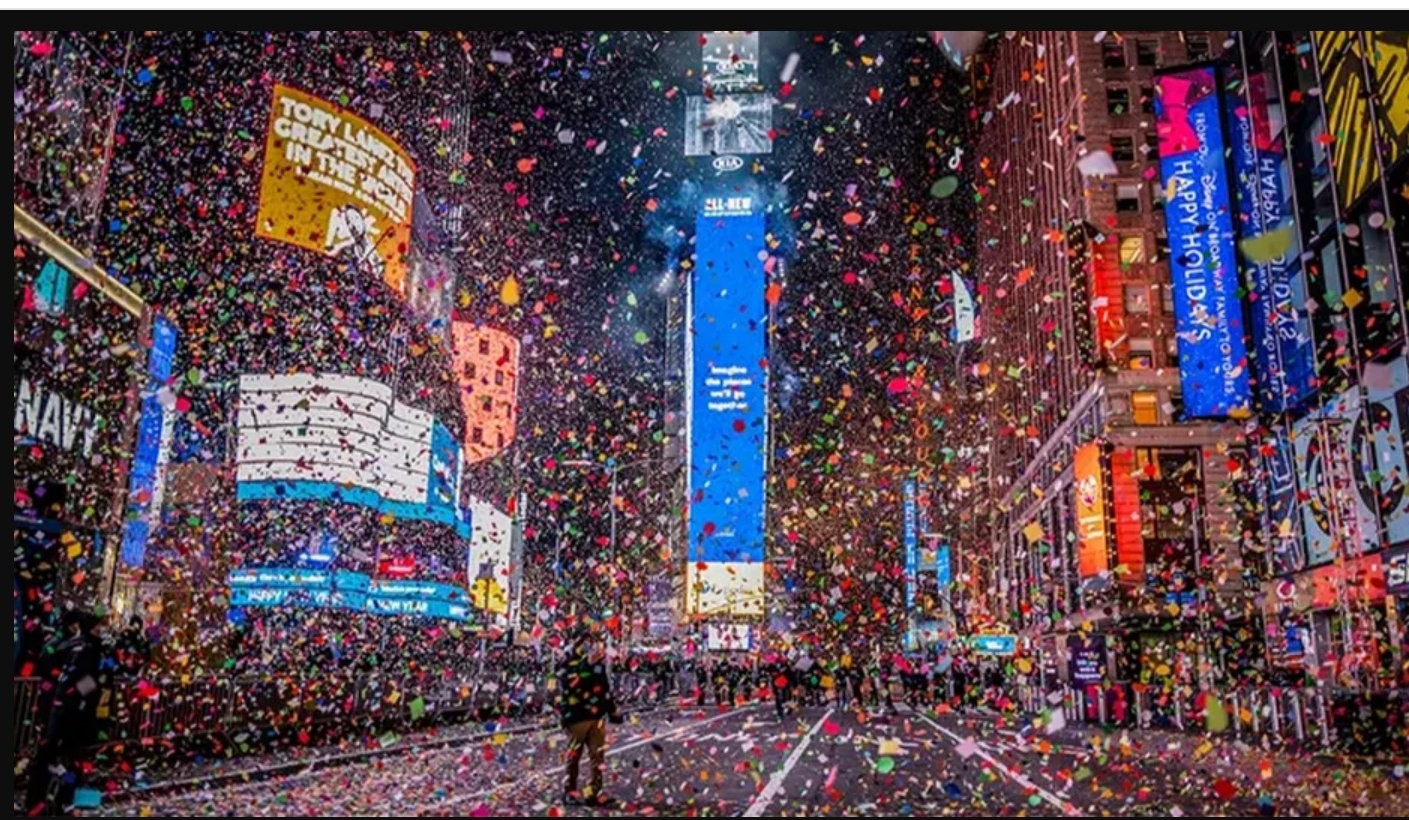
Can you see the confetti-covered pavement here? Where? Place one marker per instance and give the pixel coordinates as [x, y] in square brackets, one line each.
[819, 761]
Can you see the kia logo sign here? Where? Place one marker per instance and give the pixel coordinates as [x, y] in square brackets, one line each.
[728, 163]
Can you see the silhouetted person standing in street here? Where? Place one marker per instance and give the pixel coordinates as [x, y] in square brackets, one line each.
[69, 706]
[586, 703]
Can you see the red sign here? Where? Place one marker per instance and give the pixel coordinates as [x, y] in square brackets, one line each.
[1360, 580]
[1108, 300]
[401, 566]
[1125, 498]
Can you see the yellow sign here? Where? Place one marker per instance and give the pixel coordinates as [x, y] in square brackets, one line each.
[335, 184]
[1092, 546]
[487, 595]
[1343, 56]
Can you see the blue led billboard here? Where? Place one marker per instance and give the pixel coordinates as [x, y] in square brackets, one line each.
[323, 589]
[152, 438]
[943, 569]
[1281, 333]
[727, 403]
[912, 541]
[1213, 366]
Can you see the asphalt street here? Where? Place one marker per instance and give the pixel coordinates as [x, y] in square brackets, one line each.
[817, 761]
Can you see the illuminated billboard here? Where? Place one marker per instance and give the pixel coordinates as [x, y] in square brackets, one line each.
[268, 587]
[1343, 57]
[154, 428]
[1354, 468]
[77, 356]
[910, 531]
[1281, 330]
[730, 60]
[335, 183]
[1092, 536]
[487, 370]
[728, 125]
[326, 437]
[727, 414]
[491, 551]
[1207, 312]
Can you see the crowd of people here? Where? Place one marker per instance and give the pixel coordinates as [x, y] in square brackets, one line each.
[795, 679]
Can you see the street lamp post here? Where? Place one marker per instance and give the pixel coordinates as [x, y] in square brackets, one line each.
[613, 468]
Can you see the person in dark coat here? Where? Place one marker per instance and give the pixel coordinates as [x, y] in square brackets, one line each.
[132, 650]
[585, 704]
[73, 681]
[781, 680]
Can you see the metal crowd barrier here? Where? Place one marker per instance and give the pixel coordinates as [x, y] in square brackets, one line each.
[1374, 722]
[141, 711]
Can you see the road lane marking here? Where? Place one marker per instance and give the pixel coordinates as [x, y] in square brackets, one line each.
[611, 752]
[1016, 777]
[775, 783]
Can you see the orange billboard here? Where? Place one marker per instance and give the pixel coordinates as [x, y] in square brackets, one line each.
[487, 369]
[335, 183]
[1092, 538]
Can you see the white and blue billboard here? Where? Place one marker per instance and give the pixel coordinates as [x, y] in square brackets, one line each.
[324, 589]
[329, 437]
[154, 425]
[1213, 366]
[1283, 352]
[727, 419]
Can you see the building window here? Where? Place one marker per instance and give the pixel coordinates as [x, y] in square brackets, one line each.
[1147, 99]
[1166, 299]
[1127, 197]
[505, 354]
[477, 435]
[1132, 250]
[1162, 246]
[1142, 354]
[1144, 406]
[1123, 149]
[484, 347]
[1171, 350]
[1151, 145]
[1197, 47]
[471, 370]
[499, 377]
[1147, 52]
[1117, 100]
[501, 441]
[1137, 298]
[1113, 53]
[487, 406]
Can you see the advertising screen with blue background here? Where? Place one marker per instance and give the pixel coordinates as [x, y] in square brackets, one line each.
[147, 461]
[443, 483]
[1213, 365]
[1281, 331]
[912, 541]
[727, 384]
[340, 589]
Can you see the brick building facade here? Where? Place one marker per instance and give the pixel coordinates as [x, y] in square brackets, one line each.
[1082, 359]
